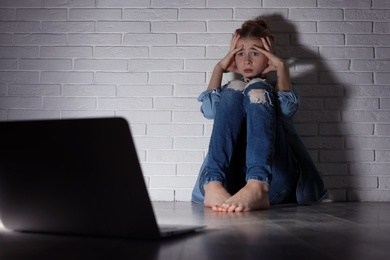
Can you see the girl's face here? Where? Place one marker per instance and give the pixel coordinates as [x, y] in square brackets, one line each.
[250, 62]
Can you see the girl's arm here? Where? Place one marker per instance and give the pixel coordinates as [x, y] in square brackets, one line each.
[225, 65]
[283, 80]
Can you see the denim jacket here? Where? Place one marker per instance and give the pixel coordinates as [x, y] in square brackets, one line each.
[310, 188]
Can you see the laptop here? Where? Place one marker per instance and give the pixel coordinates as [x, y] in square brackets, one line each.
[77, 177]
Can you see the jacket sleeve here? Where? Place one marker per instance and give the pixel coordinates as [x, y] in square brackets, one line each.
[288, 102]
[210, 101]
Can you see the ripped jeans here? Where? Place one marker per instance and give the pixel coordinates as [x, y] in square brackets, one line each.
[245, 108]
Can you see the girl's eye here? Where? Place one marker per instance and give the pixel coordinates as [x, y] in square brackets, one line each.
[255, 54]
[240, 54]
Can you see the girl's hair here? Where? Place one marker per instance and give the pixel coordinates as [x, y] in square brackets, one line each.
[255, 28]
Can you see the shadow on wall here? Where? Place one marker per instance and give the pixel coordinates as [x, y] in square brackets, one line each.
[318, 120]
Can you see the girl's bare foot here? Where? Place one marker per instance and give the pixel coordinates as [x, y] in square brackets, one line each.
[215, 195]
[253, 196]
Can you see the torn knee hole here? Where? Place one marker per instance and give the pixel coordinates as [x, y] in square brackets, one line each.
[257, 96]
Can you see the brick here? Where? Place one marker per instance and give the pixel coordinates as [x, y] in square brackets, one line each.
[20, 102]
[370, 65]
[8, 64]
[325, 64]
[382, 78]
[145, 90]
[347, 52]
[189, 90]
[45, 64]
[66, 26]
[179, 26]
[174, 156]
[318, 39]
[161, 194]
[21, 3]
[97, 64]
[324, 142]
[199, 65]
[3, 89]
[94, 39]
[138, 129]
[344, 3]
[19, 77]
[179, 3]
[188, 117]
[18, 52]
[69, 103]
[66, 77]
[3, 115]
[176, 103]
[352, 103]
[318, 14]
[150, 39]
[368, 168]
[88, 90]
[192, 142]
[381, 4]
[306, 129]
[351, 182]
[122, 3]
[41, 14]
[124, 103]
[312, 104]
[175, 130]
[122, 51]
[385, 103]
[369, 195]
[223, 26]
[65, 51]
[178, 52]
[374, 40]
[383, 129]
[233, 3]
[317, 116]
[358, 142]
[383, 156]
[120, 77]
[347, 129]
[366, 116]
[382, 28]
[172, 182]
[346, 77]
[128, 27]
[34, 90]
[146, 143]
[155, 64]
[183, 194]
[86, 113]
[206, 14]
[5, 38]
[30, 114]
[147, 116]
[177, 77]
[151, 169]
[205, 38]
[95, 14]
[150, 14]
[292, 26]
[368, 90]
[7, 15]
[69, 3]
[40, 39]
[384, 183]
[366, 15]
[188, 169]
[18, 27]
[342, 27]
[321, 91]
[333, 169]
[289, 3]
[247, 13]
[346, 156]
[288, 52]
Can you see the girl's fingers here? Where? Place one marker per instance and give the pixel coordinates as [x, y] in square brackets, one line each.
[234, 41]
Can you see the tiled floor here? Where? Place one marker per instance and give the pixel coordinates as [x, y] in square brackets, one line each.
[324, 231]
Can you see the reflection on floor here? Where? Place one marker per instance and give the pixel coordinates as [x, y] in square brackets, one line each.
[323, 231]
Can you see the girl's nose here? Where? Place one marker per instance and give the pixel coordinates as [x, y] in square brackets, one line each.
[247, 61]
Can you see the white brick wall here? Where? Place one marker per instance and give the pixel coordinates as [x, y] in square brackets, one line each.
[147, 60]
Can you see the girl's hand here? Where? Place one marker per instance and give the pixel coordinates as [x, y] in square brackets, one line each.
[274, 62]
[228, 63]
